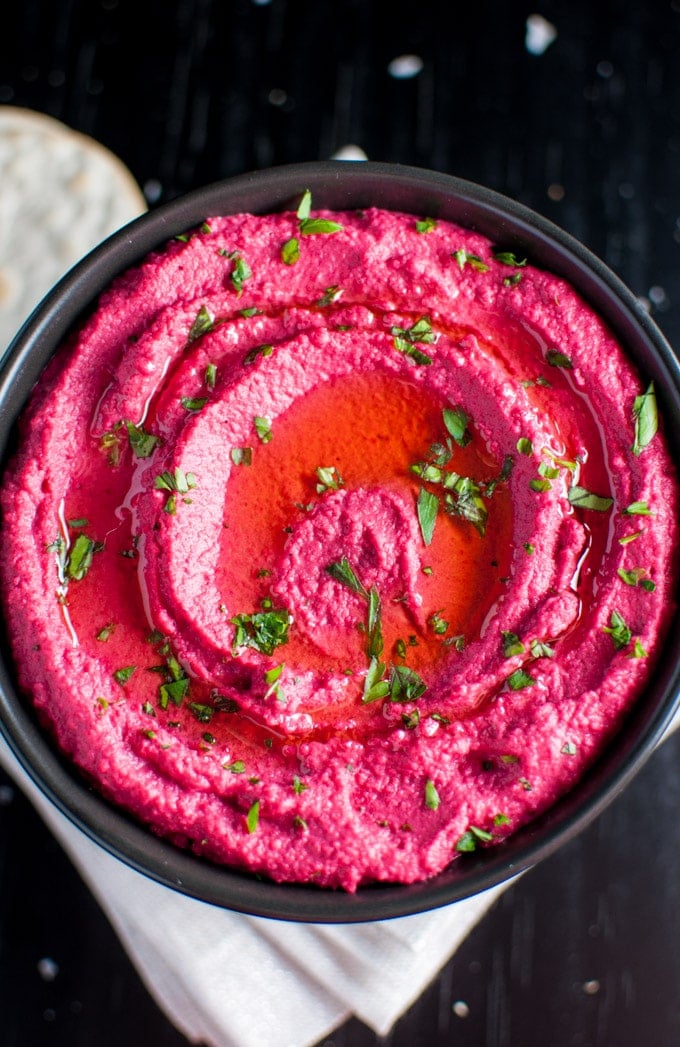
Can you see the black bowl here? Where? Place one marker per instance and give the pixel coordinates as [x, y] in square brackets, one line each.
[340, 185]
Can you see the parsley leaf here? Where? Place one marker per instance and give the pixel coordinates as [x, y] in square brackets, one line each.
[646, 419]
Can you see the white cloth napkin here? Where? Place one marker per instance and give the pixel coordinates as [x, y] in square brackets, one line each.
[296, 982]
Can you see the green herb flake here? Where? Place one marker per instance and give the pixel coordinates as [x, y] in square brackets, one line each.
[193, 403]
[330, 295]
[407, 338]
[319, 226]
[464, 258]
[427, 508]
[426, 225]
[80, 522]
[290, 251]
[375, 686]
[568, 749]
[437, 624]
[411, 720]
[201, 712]
[432, 798]
[210, 376]
[540, 484]
[240, 272]
[618, 630]
[174, 691]
[500, 819]
[456, 422]
[305, 206]
[529, 548]
[637, 577]
[512, 645]
[509, 258]
[253, 817]
[638, 509]
[520, 679]
[122, 676]
[263, 428]
[584, 499]
[471, 839]
[203, 323]
[264, 631]
[558, 359]
[237, 767]
[80, 557]
[104, 634]
[405, 684]
[299, 786]
[142, 443]
[628, 538]
[646, 418]
[343, 572]
[241, 455]
[525, 446]
[541, 649]
[329, 479]
[638, 650]
[512, 280]
[259, 350]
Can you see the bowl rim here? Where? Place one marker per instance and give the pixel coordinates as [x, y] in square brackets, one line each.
[339, 185]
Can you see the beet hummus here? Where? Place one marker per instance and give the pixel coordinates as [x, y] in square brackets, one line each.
[338, 544]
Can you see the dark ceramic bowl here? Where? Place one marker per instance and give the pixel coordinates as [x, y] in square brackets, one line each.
[341, 185]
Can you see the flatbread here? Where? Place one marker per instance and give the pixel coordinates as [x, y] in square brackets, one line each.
[61, 193]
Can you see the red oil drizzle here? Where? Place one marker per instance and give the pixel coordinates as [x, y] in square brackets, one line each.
[371, 429]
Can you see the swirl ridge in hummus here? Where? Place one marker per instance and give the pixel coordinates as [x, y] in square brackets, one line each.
[338, 545]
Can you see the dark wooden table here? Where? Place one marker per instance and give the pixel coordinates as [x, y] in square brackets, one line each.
[585, 949]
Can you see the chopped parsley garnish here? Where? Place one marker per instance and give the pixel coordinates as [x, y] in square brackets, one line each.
[253, 817]
[426, 225]
[263, 428]
[329, 479]
[264, 631]
[241, 455]
[344, 573]
[330, 295]
[122, 676]
[464, 258]
[471, 839]
[584, 499]
[525, 446]
[79, 558]
[237, 767]
[406, 339]
[558, 359]
[427, 508]
[193, 403]
[142, 443]
[375, 686]
[500, 819]
[540, 484]
[540, 649]
[203, 323]
[316, 226]
[201, 712]
[638, 650]
[298, 785]
[177, 482]
[646, 419]
[520, 679]
[174, 691]
[438, 624]
[210, 377]
[637, 509]
[259, 350]
[405, 684]
[618, 630]
[637, 576]
[290, 251]
[432, 798]
[240, 272]
[568, 749]
[456, 422]
[512, 644]
[509, 258]
[80, 522]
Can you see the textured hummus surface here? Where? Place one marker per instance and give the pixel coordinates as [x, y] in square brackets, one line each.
[337, 545]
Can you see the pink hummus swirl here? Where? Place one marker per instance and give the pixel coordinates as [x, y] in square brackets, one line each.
[338, 544]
